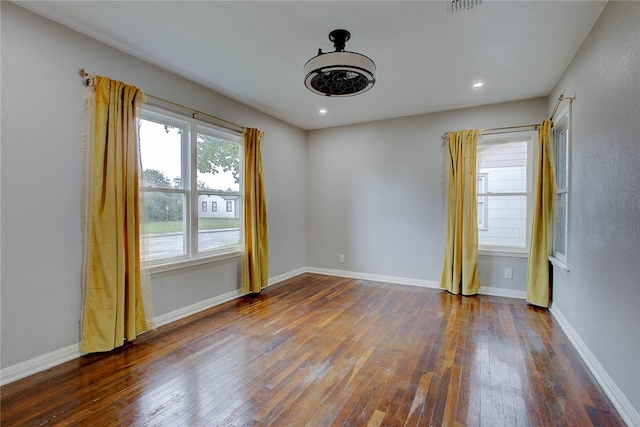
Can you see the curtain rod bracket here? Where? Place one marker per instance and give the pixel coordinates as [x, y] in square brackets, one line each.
[87, 79]
[560, 99]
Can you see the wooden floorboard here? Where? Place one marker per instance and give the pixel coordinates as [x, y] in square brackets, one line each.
[325, 351]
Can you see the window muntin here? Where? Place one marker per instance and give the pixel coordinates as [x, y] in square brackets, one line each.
[185, 171]
[561, 135]
[482, 180]
[504, 166]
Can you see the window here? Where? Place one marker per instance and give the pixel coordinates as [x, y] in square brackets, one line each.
[561, 137]
[503, 176]
[185, 163]
[229, 206]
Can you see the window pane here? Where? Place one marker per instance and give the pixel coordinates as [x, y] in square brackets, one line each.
[505, 166]
[561, 158]
[506, 222]
[560, 226]
[160, 155]
[164, 232]
[219, 228]
[218, 163]
[218, 178]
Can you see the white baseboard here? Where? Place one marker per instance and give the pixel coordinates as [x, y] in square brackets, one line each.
[374, 277]
[192, 309]
[484, 290]
[39, 364]
[628, 413]
[502, 292]
[285, 276]
[220, 299]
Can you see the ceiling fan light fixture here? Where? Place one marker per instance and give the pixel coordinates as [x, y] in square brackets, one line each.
[340, 73]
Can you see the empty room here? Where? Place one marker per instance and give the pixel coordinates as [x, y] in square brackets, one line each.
[319, 213]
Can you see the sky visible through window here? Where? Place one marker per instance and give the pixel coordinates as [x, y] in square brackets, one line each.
[160, 149]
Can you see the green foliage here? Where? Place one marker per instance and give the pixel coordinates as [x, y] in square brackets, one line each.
[217, 154]
[163, 206]
[155, 178]
[214, 155]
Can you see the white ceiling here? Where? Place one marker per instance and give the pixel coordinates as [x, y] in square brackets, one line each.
[427, 59]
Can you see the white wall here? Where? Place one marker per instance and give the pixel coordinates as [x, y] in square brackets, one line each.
[41, 236]
[600, 296]
[375, 194]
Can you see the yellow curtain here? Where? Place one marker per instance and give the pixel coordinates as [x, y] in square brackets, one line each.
[538, 289]
[256, 259]
[113, 305]
[460, 265]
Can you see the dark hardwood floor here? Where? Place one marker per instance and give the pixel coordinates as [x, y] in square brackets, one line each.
[323, 351]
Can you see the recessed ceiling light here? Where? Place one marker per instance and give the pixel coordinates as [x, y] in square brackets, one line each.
[478, 84]
[322, 111]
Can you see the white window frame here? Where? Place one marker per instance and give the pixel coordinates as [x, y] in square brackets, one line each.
[192, 256]
[483, 205]
[531, 136]
[562, 124]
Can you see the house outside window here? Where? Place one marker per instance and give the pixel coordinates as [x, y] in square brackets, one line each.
[185, 164]
[503, 173]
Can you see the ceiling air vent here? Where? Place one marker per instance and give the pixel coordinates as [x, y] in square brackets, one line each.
[460, 5]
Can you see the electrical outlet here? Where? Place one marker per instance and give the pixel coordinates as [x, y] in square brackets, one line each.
[341, 258]
[508, 273]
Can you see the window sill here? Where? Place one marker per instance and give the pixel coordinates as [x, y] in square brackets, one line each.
[561, 265]
[177, 265]
[503, 253]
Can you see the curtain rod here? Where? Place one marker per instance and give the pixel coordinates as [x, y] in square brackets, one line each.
[88, 81]
[535, 126]
[505, 129]
[508, 128]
